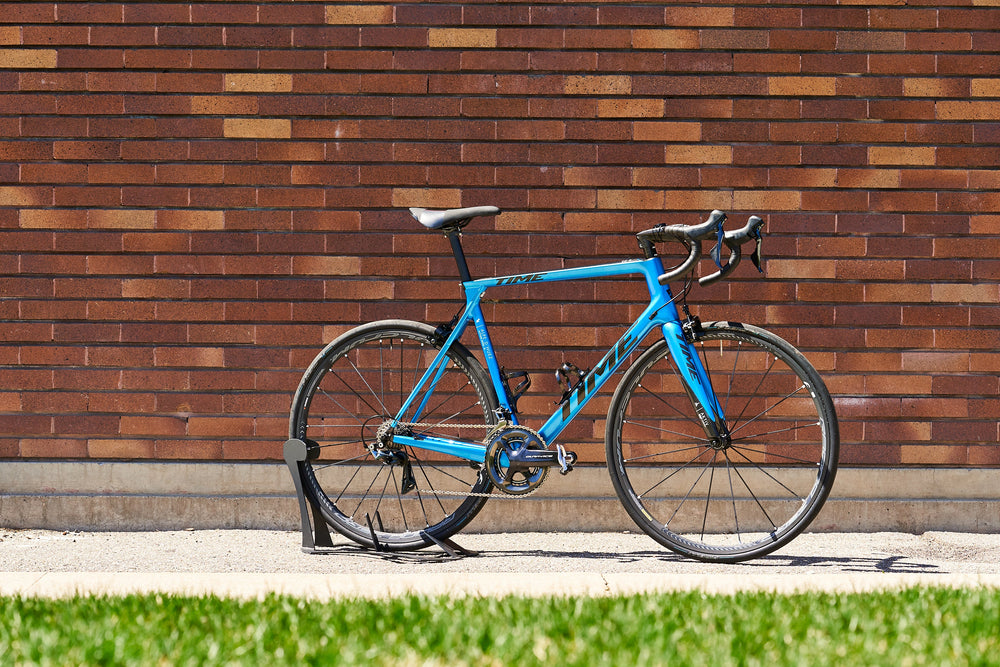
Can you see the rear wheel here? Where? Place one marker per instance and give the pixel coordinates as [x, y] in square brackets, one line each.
[732, 501]
[355, 385]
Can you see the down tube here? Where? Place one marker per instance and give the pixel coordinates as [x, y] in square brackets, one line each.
[594, 380]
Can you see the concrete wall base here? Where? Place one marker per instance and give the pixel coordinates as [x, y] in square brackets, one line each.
[114, 496]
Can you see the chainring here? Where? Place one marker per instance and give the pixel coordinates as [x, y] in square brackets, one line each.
[512, 478]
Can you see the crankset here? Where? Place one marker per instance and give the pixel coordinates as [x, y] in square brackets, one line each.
[517, 460]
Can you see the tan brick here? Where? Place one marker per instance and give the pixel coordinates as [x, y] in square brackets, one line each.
[767, 200]
[802, 177]
[365, 290]
[868, 178]
[698, 200]
[324, 265]
[28, 58]
[902, 155]
[153, 425]
[359, 14]
[986, 87]
[257, 128]
[802, 269]
[801, 86]
[889, 384]
[664, 39]
[716, 17]
[190, 219]
[10, 34]
[189, 356]
[121, 219]
[630, 199]
[939, 87]
[120, 448]
[47, 218]
[229, 427]
[15, 195]
[427, 197]
[698, 154]
[462, 38]
[233, 105]
[933, 454]
[666, 131]
[530, 221]
[936, 362]
[893, 293]
[630, 108]
[963, 110]
[258, 83]
[984, 224]
[611, 84]
[963, 293]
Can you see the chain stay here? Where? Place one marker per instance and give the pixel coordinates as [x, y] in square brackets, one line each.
[492, 428]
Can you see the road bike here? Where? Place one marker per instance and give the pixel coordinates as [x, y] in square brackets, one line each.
[721, 438]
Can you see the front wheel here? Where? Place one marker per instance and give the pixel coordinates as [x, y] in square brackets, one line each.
[724, 502]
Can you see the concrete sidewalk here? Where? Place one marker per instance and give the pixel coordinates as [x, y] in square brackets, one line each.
[252, 563]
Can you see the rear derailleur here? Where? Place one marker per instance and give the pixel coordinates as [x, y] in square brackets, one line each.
[392, 455]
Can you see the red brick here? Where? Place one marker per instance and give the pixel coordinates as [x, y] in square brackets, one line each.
[883, 186]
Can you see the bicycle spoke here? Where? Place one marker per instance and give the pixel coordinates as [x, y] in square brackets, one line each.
[353, 391]
[348, 484]
[744, 438]
[753, 394]
[342, 462]
[666, 430]
[732, 496]
[708, 501]
[791, 493]
[677, 470]
[362, 377]
[766, 410]
[430, 485]
[690, 490]
[754, 496]
[671, 405]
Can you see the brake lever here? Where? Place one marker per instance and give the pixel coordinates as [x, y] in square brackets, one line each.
[756, 256]
[716, 252]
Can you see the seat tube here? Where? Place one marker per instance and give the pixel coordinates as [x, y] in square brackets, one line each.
[696, 382]
[474, 293]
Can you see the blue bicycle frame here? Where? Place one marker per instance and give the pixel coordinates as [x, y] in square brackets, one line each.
[660, 313]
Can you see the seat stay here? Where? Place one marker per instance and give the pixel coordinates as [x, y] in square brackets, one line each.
[434, 371]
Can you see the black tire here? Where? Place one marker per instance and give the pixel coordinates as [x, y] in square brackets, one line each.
[724, 504]
[355, 384]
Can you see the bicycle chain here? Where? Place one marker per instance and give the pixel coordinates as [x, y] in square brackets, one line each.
[490, 427]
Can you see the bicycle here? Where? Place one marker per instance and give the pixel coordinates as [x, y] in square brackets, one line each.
[721, 438]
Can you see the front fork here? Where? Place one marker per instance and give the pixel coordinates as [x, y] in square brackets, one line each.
[680, 338]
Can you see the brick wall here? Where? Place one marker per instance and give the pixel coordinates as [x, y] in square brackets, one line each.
[195, 197]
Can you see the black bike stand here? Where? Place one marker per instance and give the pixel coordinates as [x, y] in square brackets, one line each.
[315, 532]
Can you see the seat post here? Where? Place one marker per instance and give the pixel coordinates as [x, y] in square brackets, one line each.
[454, 235]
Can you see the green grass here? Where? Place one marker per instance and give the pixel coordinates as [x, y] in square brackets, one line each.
[920, 626]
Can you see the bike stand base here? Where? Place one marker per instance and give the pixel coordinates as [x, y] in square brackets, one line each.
[451, 550]
[316, 533]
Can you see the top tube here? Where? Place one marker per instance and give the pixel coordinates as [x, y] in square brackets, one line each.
[650, 269]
